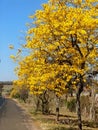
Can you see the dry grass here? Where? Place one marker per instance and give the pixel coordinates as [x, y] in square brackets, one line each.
[67, 120]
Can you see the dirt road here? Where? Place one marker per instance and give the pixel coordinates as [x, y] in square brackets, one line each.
[12, 117]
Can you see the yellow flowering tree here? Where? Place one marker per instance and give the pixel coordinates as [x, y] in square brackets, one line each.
[63, 42]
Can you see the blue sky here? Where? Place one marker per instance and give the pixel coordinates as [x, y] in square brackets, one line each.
[13, 18]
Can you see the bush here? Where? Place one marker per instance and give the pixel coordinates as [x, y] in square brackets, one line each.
[71, 105]
[14, 94]
[21, 93]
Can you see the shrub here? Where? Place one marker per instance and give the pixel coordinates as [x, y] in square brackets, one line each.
[14, 94]
[71, 105]
[21, 93]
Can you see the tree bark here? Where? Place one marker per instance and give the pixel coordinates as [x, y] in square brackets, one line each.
[57, 114]
[57, 108]
[45, 102]
[78, 110]
[78, 94]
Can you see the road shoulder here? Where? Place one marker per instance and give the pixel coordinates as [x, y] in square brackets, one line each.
[32, 123]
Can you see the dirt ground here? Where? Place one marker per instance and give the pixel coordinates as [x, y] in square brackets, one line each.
[14, 117]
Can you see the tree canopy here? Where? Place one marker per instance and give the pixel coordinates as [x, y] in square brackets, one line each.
[63, 41]
[63, 44]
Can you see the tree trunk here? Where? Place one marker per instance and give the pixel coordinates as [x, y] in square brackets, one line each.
[45, 102]
[57, 108]
[78, 110]
[78, 94]
[57, 114]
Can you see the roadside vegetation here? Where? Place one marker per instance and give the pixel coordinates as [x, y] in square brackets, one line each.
[67, 112]
[62, 60]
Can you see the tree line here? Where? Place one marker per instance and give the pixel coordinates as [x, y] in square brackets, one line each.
[63, 50]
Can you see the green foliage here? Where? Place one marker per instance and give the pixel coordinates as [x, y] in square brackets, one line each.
[21, 93]
[14, 94]
[71, 105]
